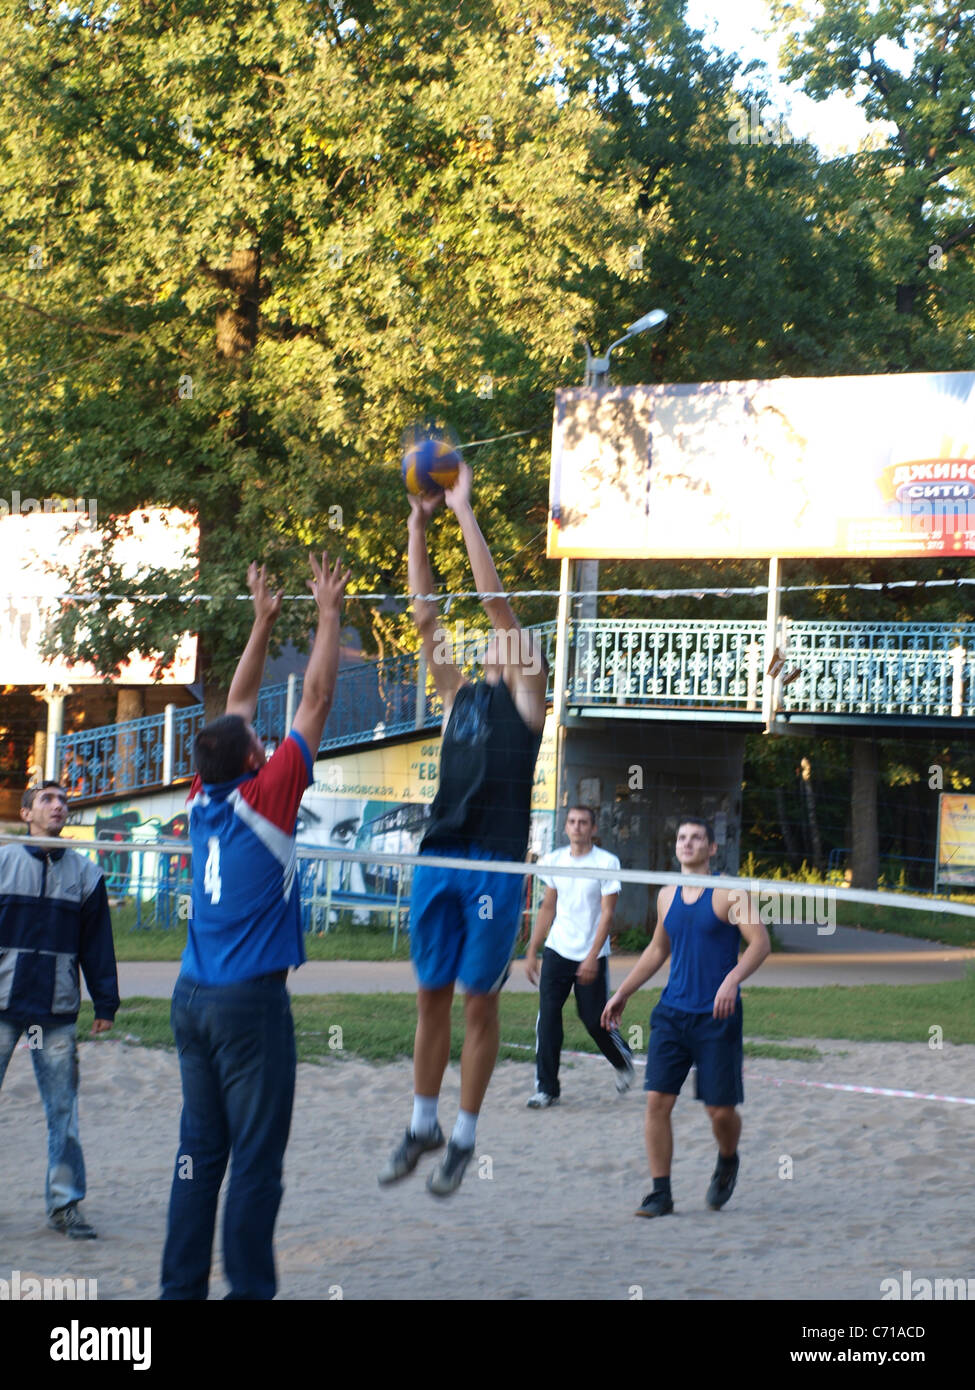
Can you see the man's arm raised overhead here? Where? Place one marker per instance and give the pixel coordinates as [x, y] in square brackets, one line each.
[520, 650]
[328, 588]
[447, 677]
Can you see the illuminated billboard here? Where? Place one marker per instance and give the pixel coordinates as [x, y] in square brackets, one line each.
[31, 541]
[812, 467]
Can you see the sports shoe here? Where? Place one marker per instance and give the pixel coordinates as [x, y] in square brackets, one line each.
[70, 1222]
[407, 1156]
[624, 1078]
[722, 1186]
[446, 1177]
[541, 1101]
[655, 1204]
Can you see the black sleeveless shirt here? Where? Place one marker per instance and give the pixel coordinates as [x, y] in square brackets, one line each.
[487, 765]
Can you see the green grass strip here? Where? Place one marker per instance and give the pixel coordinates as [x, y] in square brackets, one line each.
[380, 1027]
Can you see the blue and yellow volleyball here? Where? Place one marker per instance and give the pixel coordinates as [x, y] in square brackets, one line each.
[430, 465]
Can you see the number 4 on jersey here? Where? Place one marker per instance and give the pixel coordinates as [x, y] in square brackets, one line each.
[211, 873]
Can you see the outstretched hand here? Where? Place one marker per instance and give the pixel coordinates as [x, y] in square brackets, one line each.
[267, 606]
[328, 585]
[460, 494]
[423, 505]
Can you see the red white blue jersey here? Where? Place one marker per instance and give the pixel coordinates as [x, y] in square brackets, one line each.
[246, 918]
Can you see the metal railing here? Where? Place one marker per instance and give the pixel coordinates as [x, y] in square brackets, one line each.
[665, 661]
[373, 700]
[853, 669]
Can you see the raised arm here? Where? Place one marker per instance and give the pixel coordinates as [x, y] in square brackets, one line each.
[244, 688]
[521, 657]
[328, 588]
[446, 676]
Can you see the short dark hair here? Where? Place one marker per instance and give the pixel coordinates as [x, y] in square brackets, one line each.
[705, 825]
[579, 807]
[220, 749]
[27, 800]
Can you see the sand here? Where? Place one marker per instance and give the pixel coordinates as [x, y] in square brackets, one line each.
[879, 1184]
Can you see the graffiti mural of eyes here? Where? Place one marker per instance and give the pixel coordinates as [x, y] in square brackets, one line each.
[344, 831]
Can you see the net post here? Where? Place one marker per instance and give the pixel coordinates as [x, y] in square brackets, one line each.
[771, 634]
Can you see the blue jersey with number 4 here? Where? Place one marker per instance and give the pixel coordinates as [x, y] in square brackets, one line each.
[246, 918]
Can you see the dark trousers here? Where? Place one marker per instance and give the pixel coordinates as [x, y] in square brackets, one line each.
[557, 982]
[237, 1061]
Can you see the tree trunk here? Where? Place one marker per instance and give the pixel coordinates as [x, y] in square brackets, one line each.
[865, 857]
[809, 796]
[130, 704]
[785, 825]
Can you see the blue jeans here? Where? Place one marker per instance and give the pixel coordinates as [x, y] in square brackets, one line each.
[237, 1059]
[54, 1052]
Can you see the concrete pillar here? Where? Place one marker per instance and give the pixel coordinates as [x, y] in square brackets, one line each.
[168, 748]
[290, 703]
[957, 680]
[54, 697]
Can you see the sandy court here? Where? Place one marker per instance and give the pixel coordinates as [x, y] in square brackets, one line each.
[879, 1184]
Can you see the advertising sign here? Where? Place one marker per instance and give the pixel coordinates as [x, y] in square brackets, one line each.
[811, 467]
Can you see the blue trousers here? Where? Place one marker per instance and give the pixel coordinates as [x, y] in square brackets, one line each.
[54, 1053]
[237, 1061]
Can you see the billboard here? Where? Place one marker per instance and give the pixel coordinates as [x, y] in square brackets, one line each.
[30, 591]
[813, 467]
[956, 839]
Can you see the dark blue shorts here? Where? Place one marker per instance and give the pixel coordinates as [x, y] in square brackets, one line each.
[464, 922]
[679, 1040]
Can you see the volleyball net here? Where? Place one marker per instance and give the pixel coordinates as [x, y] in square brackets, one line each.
[349, 890]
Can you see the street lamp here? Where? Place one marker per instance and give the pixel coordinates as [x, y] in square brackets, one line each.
[597, 368]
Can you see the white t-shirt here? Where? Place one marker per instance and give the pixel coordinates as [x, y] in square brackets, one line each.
[579, 904]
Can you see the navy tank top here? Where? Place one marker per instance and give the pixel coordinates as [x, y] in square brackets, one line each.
[702, 951]
[487, 765]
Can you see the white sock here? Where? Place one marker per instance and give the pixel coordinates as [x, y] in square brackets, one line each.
[424, 1115]
[464, 1130]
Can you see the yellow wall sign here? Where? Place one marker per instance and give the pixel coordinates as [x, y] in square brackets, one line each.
[409, 772]
[956, 839]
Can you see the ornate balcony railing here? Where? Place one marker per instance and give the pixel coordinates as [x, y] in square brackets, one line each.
[373, 700]
[882, 669]
[113, 758]
[666, 661]
[852, 669]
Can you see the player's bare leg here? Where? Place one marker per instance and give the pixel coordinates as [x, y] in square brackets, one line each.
[659, 1135]
[431, 1046]
[431, 1052]
[481, 1037]
[726, 1124]
[481, 1034]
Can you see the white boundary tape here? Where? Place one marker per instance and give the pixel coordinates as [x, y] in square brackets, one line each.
[796, 1081]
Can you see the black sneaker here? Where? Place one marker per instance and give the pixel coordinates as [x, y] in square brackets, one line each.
[655, 1204]
[446, 1177]
[722, 1185]
[407, 1156]
[70, 1222]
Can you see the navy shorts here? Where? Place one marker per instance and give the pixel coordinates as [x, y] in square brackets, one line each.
[679, 1040]
[464, 922]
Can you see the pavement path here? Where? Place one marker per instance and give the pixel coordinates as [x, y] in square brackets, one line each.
[848, 956]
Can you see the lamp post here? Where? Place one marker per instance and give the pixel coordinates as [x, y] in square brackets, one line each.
[587, 571]
[597, 378]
